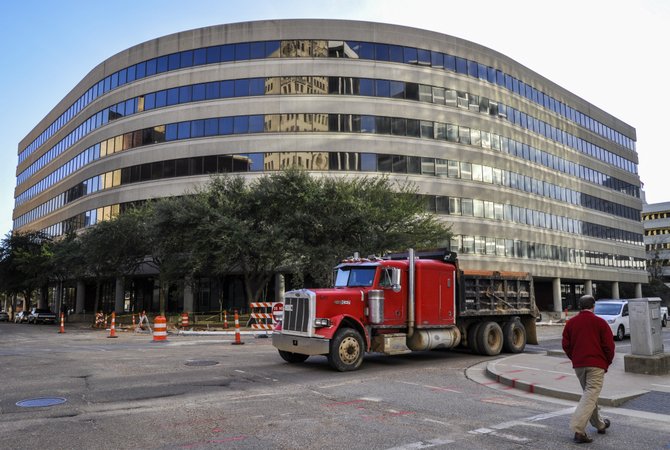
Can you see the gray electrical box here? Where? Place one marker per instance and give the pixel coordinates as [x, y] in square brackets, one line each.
[645, 326]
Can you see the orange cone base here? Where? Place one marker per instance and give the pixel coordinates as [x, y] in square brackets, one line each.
[237, 343]
[110, 336]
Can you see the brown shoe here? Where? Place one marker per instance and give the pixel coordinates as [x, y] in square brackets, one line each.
[607, 425]
[582, 438]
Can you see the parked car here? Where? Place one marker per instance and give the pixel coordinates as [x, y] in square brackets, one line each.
[21, 316]
[43, 315]
[4, 317]
[615, 312]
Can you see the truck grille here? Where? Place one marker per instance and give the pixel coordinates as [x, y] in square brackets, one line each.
[296, 314]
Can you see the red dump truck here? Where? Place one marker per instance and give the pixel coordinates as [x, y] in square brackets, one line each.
[405, 302]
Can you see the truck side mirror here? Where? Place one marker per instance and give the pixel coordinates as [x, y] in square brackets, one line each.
[395, 279]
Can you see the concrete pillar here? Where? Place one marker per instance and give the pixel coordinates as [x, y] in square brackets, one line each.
[188, 296]
[119, 292]
[638, 290]
[280, 287]
[81, 296]
[588, 287]
[615, 290]
[556, 290]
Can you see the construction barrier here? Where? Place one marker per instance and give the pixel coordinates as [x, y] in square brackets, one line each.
[238, 337]
[225, 319]
[112, 329]
[62, 323]
[184, 320]
[261, 312]
[160, 328]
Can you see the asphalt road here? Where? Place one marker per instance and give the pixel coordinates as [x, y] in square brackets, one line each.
[204, 393]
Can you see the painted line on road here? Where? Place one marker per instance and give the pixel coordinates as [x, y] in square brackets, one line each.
[423, 444]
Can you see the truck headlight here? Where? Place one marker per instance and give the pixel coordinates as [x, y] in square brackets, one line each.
[320, 323]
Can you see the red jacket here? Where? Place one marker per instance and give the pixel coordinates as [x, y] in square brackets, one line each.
[588, 341]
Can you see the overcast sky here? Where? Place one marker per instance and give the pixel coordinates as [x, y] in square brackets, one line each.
[612, 53]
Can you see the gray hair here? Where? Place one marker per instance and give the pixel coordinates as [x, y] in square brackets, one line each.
[586, 302]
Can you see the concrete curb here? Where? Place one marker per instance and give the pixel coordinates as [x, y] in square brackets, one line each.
[493, 373]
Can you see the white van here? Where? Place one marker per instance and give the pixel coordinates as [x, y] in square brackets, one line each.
[615, 312]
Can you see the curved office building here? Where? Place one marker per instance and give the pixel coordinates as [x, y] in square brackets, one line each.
[532, 177]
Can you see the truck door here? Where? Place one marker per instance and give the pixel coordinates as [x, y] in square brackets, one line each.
[394, 302]
[447, 299]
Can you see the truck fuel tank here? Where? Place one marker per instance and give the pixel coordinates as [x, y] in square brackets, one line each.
[435, 338]
[376, 306]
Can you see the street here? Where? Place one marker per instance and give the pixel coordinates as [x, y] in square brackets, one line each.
[201, 392]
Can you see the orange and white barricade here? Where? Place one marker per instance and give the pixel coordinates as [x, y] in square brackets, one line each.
[261, 312]
[160, 328]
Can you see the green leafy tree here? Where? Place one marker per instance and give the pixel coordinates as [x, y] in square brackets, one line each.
[115, 248]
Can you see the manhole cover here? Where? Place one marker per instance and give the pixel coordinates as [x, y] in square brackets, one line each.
[200, 362]
[42, 401]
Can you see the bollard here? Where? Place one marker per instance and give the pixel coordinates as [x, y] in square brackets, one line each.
[184, 320]
[112, 329]
[225, 319]
[238, 338]
[62, 323]
[160, 329]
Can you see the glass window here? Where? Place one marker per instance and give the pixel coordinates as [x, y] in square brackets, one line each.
[257, 50]
[241, 124]
[199, 57]
[161, 99]
[398, 126]
[242, 87]
[226, 125]
[437, 59]
[213, 54]
[410, 55]
[461, 65]
[464, 135]
[413, 128]
[242, 51]
[228, 53]
[197, 128]
[424, 57]
[399, 164]
[256, 123]
[466, 171]
[186, 58]
[467, 207]
[161, 64]
[227, 89]
[455, 206]
[441, 131]
[171, 132]
[183, 130]
[428, 166]
[211, 127]
[425, 93]
[185, 94]
[149, 101]
[368, 162]
[384, 163]
[198, 92]
[383, 88]
[396, 53]
[257, 86]
[381, 52]
[172, 96]
[477, 172]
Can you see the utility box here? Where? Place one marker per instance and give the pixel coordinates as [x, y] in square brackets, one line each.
[645, 326]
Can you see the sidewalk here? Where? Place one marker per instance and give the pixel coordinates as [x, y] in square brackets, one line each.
[551, 374]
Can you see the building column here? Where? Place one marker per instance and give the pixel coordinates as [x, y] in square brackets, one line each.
[588, 287]
[81, 296]
[119, 292]
[615, 290]
[638, 290]
[188, 296]
[280, 287]
[556, 290]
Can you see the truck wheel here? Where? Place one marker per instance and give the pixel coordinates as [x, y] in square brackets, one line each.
[514, 337]
[346, 350]
[489, 338]
[472, 338]
[292, 358]
[620, 333]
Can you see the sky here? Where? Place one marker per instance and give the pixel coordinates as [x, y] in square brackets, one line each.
[612, 53]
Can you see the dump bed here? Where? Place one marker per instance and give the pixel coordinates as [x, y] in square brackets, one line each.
[490, 293]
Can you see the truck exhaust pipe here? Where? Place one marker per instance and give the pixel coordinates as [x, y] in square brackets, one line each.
[410, 295]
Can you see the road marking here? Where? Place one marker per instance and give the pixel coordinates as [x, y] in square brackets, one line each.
[240, 371]
[423, 444]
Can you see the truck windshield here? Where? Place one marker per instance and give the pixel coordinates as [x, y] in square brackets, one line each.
[355, 276]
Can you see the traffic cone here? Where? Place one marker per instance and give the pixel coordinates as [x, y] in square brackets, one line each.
[62, 323]
[112, 329]
[238, 338]
[225, 319]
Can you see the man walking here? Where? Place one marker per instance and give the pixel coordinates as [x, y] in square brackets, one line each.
[588, 342]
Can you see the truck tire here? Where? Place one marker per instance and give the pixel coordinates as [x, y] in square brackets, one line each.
[293, 358]
[346, 350]
[489, 338]
[514, 337]
[472, 338]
